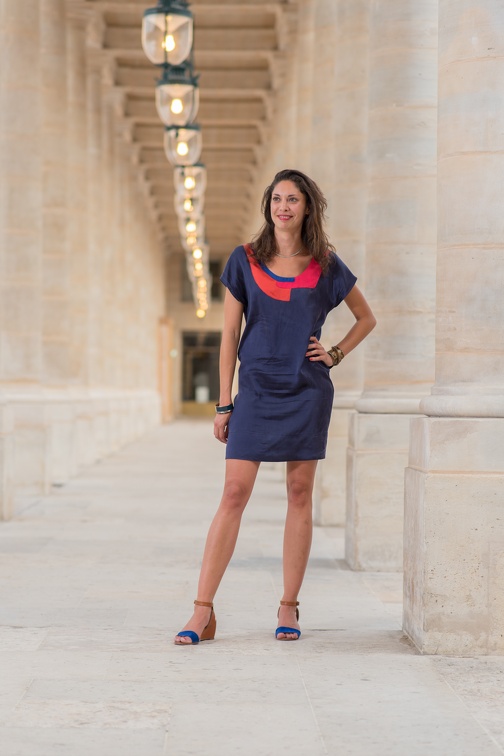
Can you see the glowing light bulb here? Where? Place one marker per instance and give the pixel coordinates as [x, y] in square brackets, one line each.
[197, 253]
[200, 313]
[182, 149]
[198, 267]
[177, 106]
[190, 227]
[188, 205]
[189, 182]
[190, 240]
[202, 284]
[169, 43]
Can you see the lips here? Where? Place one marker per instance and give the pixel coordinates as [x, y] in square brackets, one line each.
[284, 217]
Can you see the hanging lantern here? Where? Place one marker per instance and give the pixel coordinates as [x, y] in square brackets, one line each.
[177, 95]
[198, 252]
[188, 207]
[191, 227]
[183, 145]
[167, 32]
[190, 180]
[193, 243]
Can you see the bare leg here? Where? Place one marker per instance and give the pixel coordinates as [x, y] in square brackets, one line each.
[222, 536]
[297, 537]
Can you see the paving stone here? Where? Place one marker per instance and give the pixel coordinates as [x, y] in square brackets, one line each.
[98, 576]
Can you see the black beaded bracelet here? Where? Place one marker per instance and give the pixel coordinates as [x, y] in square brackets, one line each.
[224, 410]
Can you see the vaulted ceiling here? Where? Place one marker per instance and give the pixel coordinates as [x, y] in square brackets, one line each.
[239, 51]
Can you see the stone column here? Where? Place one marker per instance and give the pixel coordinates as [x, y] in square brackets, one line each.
[304, 95]
[21, 246]
[400, 275]
[56, 284]
[343, 31]
[454, 524]
[56, 331]
[95, 199]
[78, 229]
[20, 193]
[77, 195]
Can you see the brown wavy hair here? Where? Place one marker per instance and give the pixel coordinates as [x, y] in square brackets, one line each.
[313, 235]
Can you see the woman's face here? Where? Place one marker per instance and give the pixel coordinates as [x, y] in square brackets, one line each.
[288, 207]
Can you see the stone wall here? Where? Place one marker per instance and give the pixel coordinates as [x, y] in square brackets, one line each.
[406, 141]
[82, 272]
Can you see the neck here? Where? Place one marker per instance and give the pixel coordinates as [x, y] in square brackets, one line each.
[287, 244]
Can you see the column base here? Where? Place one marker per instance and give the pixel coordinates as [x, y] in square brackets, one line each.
[454, 536]
[377, 456]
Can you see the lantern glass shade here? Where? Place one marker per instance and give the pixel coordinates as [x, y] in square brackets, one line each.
[189, 227]
[197, 250]
[189, 207]
[190, 181]
[182, 145]
[195, 268]
[167, 37]
[177, 104]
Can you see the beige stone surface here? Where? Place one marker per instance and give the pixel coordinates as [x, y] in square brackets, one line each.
[377, 456]
[454, 482]
[98, 576]
[400, 274]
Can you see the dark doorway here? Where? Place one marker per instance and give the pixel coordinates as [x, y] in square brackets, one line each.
[200, 372]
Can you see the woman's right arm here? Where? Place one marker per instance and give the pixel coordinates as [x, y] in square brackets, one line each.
[233, 315]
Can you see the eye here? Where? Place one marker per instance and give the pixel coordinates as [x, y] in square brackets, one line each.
[293, 199]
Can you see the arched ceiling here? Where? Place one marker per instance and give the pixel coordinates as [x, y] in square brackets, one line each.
[239, 52]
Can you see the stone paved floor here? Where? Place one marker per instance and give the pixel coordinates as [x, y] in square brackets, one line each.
[96, 578]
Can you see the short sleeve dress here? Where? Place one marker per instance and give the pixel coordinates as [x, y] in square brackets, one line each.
[284, 401]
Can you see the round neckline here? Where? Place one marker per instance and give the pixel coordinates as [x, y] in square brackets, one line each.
[285, 278]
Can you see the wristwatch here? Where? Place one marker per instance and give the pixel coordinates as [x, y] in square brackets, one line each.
[336, 354]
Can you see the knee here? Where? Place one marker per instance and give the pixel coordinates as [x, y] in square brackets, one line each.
[299, 494]
[235, 496]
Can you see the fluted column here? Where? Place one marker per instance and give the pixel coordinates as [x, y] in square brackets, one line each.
[56, 281]
[56, 330]
[21, 313]
[340, 164]
[95, 199]
[454, 524]
[400, 274]
[304, 67]
[20, 194]
[77, 195]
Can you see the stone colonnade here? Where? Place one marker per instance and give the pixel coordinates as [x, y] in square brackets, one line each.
[81, 268]
[386, 121]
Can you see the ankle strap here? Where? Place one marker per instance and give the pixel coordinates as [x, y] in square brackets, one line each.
[204, 603]
[289, 603]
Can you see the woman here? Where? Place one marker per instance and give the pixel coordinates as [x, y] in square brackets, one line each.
[284, 285]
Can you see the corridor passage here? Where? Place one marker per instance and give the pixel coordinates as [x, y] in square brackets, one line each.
[96, 578]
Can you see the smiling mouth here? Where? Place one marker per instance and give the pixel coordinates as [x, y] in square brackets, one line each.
[284, 217]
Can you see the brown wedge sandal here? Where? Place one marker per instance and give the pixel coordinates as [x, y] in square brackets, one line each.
[286, 630]
[208, 632]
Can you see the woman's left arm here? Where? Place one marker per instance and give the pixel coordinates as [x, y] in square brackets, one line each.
[365, 321]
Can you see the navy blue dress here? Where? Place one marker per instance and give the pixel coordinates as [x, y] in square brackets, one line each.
[284, 401]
